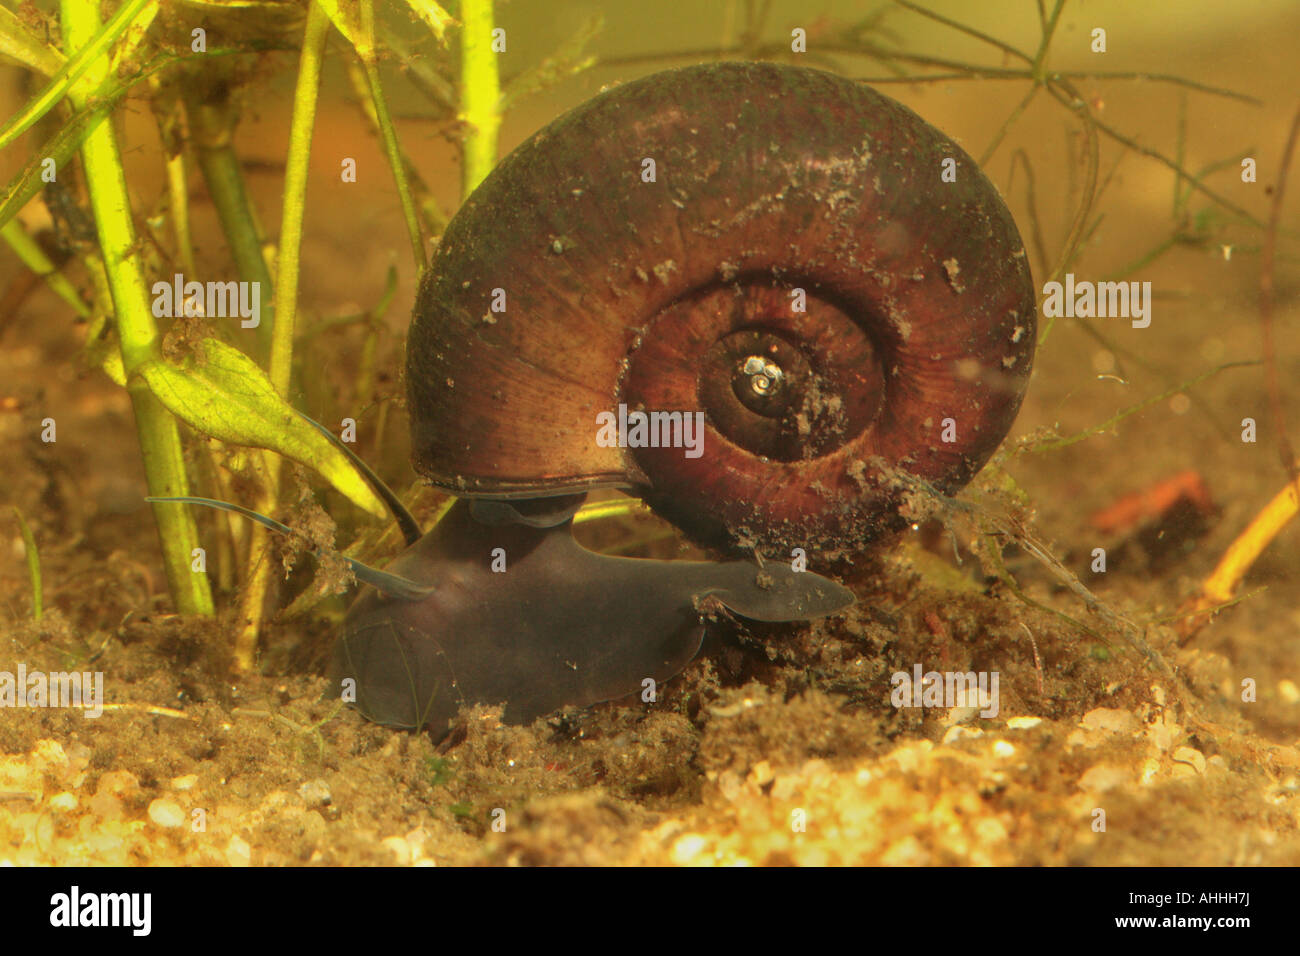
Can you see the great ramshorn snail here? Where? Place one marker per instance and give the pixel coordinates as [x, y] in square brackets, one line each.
[829, 280]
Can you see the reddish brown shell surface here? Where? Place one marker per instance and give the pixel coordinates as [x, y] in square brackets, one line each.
[913, 349]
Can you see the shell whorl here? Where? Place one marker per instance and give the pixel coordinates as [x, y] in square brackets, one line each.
[680, 295]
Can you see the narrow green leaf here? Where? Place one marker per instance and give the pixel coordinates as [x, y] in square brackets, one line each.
[18, 43]
[224, 394]
[72, 70]
[61, 148]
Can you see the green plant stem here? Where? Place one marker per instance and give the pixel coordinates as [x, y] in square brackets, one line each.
[226, 540]
[1006, 126]
[295, 191]
[388, 133]
[1150, 153]
[160, 441]
[212, 126]
[480, 94]
[33, 564]
[433, 220]
[65, 143]
[1039, 66]
[1075, 237]
[60, 148]
[33, 257]
[969, 31]
[1053, 444]
[178, 202]
[165, 101]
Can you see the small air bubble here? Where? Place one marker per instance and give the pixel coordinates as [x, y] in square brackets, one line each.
[1103, 362]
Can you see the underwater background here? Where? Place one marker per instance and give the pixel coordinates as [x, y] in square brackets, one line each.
[780, 743]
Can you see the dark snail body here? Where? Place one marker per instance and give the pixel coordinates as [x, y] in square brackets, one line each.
[562, 625]
[774, 188]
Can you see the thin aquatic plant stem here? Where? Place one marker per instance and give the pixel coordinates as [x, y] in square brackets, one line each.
[211, 128]
[393, 152]
[306, 93]
[288, 260]
[160, 441]
[33, 564]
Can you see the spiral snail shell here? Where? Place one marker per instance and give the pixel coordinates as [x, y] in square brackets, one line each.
[799, 269]
[775, 250]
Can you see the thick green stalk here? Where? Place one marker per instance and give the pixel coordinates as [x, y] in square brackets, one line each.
[480, 94]
[160, 441]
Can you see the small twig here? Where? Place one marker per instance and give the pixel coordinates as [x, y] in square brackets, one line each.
[305, 730]
[1180, 618]
[149, 709]
[1158, 78]
[1038, 661]
[1240, 556]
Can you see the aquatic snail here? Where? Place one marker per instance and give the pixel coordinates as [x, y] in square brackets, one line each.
[777, 248]
[796, 268]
